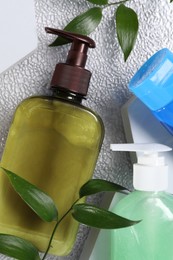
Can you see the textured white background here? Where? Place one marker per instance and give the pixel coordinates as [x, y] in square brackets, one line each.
[108, 89]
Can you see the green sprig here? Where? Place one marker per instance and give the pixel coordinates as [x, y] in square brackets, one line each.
[126, 24]
[46, 209]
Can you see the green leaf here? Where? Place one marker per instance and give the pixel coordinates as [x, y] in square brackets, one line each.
[171, 1]
[36, 199]
[127, 28]
[99, 218]
[98, 2]
[82, 24]
[18, 248]
[97, 185]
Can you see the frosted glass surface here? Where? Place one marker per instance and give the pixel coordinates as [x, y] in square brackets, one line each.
[110, 75]
[18, 31]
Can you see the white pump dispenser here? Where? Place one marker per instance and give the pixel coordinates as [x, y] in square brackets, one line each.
[150, 173]
[152, 238]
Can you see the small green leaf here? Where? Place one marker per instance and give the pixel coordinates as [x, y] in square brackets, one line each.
[18, 248]
[82, 24]
[127, 28]
[36, 199]
[171, 1]
[97, 185]
[98, 2]
[99, 218]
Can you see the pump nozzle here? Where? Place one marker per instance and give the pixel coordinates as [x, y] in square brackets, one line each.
[77, 55]
[151, 172]
[72, 75]
[145, 148]
[72, 36]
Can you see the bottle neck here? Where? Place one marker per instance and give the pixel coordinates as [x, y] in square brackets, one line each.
[67, 95]
[150, 177]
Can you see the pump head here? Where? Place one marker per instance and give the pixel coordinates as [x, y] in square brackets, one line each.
[71, 75]
[150, 173]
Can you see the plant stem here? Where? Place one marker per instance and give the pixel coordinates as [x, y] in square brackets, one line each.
[116, 3]
[55, 228]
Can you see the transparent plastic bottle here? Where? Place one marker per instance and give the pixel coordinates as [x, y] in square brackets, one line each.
[53, 142]
[152, 238]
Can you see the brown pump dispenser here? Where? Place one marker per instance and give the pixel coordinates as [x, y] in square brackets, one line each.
[72, 75]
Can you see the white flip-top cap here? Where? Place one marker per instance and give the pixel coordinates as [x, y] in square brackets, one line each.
[150, 173]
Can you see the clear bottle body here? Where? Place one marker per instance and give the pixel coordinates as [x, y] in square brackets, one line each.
[152, 238]
[165, 116]
[54, 144]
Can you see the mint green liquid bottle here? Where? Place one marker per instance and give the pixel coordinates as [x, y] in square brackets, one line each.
[152, 238]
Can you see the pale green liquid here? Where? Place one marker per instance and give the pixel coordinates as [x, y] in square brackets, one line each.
[152, 238]
[54, 145]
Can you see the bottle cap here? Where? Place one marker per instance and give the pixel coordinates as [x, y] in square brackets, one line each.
[150, 173]
[153, 82]
[72, 75]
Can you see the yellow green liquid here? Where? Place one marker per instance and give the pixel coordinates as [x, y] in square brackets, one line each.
[54, 145]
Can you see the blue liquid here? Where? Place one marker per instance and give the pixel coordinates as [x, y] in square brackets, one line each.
[165, 116]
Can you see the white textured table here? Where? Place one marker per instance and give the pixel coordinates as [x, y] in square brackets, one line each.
[108, 89]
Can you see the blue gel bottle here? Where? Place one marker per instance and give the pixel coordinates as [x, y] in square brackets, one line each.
[153, 85]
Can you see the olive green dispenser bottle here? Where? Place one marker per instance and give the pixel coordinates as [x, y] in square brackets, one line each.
[53, 142]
